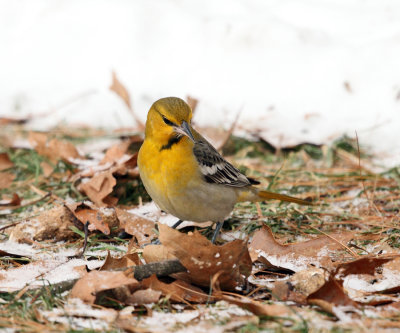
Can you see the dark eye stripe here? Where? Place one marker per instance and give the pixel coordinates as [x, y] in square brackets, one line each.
[168, 122]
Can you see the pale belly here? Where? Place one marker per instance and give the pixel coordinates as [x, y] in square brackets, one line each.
[180, 190]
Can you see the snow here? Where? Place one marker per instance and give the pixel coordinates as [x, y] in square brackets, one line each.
[390, 279]
[45, 268]
[299, 70]
[152, 212]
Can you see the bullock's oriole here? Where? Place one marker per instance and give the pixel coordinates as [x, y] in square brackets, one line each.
[185, 175]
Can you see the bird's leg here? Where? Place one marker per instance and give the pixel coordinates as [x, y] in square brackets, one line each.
[216, 232]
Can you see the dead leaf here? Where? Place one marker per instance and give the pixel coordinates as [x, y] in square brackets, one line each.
[54, 224]
[99, 187]
[146, 296]
[5, 162]
[121, 91]
[14, 201]
[128, 260]
[264, 244]
[63, 149]
[331, 294]
[116, 152]
[139, 227]
[103, 220]
[46, 168]
[258, 308]
[365, 265]
[94, 282]
[178, 291]
[154, 253]
[299, 285]
[203, 259]
[6, 179]
[53, 149]
[192, 102]
[13, 121]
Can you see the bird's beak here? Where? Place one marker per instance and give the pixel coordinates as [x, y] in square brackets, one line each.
[185, 130]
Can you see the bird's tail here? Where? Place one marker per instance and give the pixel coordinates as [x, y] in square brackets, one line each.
[266, 195]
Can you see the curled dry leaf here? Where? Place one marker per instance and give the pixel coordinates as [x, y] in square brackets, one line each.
[128, 260]
[203, 259]
[331, 294]
[264, 244]
[53, 149]
[178, 291]
[146, 296]
[365, 265]
[154, 253]
[192, 102]
[99, 187]
[258, 308]
[100, 219]
[6, 179]
[121, 91]
[54, 224]
[116, 152]
[14, 201]
[46, 168]
[94, 282]
[5, 162]
[139, 227]
[299, 285]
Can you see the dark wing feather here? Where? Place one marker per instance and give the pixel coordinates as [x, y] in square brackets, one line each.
[216, 169]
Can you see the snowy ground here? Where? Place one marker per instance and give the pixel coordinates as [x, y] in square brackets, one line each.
[300, 70]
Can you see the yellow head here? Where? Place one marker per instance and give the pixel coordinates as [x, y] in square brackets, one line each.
[168, 119]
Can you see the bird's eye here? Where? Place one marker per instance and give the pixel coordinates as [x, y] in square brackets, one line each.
[168, 122]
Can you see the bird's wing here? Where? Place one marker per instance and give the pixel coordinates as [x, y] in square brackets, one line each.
[216, 169]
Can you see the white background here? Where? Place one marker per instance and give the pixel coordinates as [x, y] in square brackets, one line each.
[285, 64]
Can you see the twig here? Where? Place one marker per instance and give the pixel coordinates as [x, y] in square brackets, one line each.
[27, 204]
[335, 240]
[160, 268]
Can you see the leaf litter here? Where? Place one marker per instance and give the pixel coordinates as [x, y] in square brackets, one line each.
[332, 266]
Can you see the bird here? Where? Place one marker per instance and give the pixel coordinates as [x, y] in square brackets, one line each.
[186, 176]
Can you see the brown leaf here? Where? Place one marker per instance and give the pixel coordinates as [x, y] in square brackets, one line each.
[14, 201]
[6, 179]
[54, 224]
[99, 187]
[255, 307]
[154, 253]
[265, 242]
[331, 294]
[177, 290]
[114, 153]
[192, 102]
[203, 259]
[93, 282]
[46, 168]
[63, 149]
[128, 260]
[53, 149]
[13, 121]
[139, 227]
[146, 296]
[99, 219]
[365, 265]
[5, 162]
[299, 285]
[121, 91]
